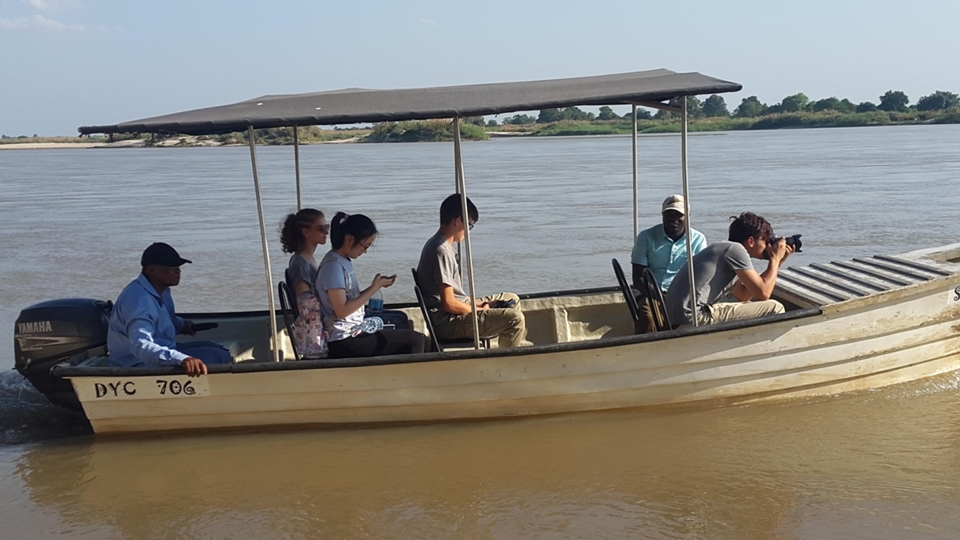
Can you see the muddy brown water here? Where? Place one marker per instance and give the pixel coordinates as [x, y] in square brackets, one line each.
[880, 464]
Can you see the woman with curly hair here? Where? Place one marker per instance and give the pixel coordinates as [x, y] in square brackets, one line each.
[300, 234]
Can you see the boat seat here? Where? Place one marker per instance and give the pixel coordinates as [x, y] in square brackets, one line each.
[287, 301]
[628, 296]
[438, 344]
[291, 298]
[654, 298]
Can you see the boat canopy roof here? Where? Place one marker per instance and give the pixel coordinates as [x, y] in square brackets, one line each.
[356, 105]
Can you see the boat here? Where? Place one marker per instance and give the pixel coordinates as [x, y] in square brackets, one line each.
[850, 325]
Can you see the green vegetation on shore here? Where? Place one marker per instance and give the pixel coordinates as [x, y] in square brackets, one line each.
[423, 131]
[284, 135]
[771, 121]
[794, 111]
[267, 136]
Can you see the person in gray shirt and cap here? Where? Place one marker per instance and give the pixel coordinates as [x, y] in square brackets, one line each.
[726, 265]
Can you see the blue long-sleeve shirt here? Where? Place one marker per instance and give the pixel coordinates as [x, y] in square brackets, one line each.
[143, 327]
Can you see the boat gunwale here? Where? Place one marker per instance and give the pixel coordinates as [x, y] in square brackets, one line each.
[65, 371]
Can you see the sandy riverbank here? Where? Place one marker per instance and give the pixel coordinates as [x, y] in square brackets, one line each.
[61, 145]
[138, 143]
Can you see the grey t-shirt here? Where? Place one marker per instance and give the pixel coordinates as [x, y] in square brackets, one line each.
[301, 268]
[438, 265]
[714, 269]
[336, 272]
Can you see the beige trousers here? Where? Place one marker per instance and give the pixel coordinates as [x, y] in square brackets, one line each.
[735, 311]
[509, 324]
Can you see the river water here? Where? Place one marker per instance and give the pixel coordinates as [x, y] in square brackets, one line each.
[881, 464]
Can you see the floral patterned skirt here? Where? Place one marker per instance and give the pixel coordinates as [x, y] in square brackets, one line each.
[308, 332]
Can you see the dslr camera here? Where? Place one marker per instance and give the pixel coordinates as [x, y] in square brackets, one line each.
[792, 241]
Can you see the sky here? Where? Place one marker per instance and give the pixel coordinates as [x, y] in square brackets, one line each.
[67, 63]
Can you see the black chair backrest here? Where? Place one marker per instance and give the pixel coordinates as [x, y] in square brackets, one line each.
[484, 340]
[426, 317]
[291, 298]
[288, 314]
[655, 298]
[628, 295]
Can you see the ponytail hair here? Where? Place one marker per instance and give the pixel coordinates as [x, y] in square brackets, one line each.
[358, 226]
[291, 229]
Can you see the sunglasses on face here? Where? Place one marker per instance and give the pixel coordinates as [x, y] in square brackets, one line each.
[323, 228]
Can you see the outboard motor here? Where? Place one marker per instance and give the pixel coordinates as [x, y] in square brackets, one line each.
[67, 330]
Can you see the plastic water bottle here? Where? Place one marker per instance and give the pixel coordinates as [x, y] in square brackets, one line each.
[372, 325]
[375, 305]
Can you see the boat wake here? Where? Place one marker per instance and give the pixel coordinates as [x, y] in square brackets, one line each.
[947, 383]
[26, 416]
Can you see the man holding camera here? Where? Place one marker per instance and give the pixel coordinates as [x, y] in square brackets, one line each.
[439, 280]
[727, 265]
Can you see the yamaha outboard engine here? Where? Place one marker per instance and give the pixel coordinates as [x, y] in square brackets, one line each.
[68, 330]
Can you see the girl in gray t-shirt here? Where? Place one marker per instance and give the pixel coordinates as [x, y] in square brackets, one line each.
[342, 302]
[300, 235]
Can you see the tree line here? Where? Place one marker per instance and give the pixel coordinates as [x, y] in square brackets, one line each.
[750, 107]
[796, 110]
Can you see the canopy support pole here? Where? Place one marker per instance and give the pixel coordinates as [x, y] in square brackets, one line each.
[462, 190]
[636, 185]
[686, 210]
[263, 243]
[457, 174]
[296, 161]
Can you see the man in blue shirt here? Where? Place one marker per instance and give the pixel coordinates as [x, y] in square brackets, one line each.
[144, 322]
[663, 248]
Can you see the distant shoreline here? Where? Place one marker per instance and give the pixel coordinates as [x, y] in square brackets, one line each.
[137, 143]
[61, 146]
[141, 144]
[434, 131]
